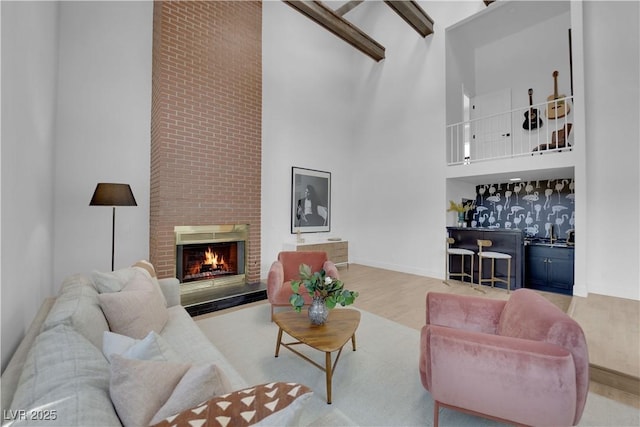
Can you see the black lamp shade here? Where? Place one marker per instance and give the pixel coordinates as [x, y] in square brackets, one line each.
[109, 194]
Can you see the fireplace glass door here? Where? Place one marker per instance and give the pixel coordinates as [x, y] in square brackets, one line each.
[204, 261]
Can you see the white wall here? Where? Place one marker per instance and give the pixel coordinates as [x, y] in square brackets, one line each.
[103, 132]
[535, 52]
[380, 126]
[29, 72]
[400, 216]
[308, 121]
[612, 70]
[76, 102]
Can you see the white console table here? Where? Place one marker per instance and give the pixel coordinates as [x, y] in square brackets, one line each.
[337, 251]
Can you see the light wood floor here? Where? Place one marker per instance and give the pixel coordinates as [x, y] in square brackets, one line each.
[400, 297]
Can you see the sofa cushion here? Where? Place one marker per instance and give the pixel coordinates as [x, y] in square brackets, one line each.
[68, 376]
[188, 340]
[115, 281]
[77, 306]
[146, 390]
[274, 404]
[167, 289]
[112, 281]
[199, 383]
[152, 347]
[136, 310]
[139, 388]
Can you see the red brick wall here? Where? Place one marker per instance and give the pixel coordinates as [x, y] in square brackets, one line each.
[206, 123]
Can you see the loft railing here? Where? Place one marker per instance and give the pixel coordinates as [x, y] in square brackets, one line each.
[537, 129]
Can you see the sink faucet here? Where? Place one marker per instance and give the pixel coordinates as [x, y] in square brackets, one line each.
[553, 237]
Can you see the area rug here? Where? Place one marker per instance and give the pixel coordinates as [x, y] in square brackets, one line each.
[377, 385]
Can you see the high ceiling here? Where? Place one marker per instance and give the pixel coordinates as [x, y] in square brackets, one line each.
[330, 15]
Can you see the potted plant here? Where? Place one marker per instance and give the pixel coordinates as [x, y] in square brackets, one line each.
[461, 209]
[326, 293]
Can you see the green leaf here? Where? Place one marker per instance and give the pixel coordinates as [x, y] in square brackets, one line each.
[349, 297]
[297, 302]
[309, 285]
[305, 271]
[330, 302]
[295, 286]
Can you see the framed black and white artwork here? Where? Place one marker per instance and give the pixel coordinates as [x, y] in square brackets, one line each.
[310, 200]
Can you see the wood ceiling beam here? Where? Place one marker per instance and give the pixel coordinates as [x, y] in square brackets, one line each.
[415, 16]
[327, 18]
[342, 10]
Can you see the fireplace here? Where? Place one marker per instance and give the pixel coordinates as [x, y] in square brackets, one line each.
[210, 256]
[209, 261]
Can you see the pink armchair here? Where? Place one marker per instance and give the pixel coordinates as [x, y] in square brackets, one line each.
[286, 269]
[522, 361]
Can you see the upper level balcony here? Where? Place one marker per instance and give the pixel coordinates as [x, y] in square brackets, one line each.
[542, 128]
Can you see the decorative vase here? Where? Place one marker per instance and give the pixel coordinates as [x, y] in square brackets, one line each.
[318, 311]
[460, 219]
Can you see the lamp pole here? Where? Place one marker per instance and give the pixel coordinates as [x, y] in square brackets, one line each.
[113, 238]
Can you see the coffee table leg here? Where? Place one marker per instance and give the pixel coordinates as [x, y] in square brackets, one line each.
[329, 375]
[353, 342]
[279, 341]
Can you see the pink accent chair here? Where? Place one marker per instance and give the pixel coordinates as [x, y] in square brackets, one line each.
[522, 361]
[286, 269]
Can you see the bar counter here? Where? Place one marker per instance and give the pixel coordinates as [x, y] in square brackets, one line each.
[504, 240]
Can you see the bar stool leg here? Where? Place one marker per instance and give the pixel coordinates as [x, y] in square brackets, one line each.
[446, 266]
[509, 275]
[493, 272]
[479, 287]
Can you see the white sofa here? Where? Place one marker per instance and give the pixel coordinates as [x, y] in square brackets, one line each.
[59, 375]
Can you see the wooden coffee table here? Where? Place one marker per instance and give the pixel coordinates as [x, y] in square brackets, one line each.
[339, 328]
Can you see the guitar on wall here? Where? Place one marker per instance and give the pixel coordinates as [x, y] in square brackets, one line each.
[557, 107]
[531, 119]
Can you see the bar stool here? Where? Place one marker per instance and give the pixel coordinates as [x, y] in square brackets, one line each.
[462, 252]
[493, 256]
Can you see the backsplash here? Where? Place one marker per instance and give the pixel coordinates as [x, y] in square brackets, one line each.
[533, 206]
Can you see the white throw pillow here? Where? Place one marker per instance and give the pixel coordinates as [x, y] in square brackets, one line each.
[136, 310]
[152, 347]
[199, 384]
[143, 390]
[139, 388]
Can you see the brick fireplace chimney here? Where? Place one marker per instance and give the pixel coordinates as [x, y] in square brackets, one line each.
[206, 123]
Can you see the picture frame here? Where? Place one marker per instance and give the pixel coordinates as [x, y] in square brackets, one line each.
[310, 200]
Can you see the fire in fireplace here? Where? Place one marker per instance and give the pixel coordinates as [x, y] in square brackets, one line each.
[209, 260]
[208, 256]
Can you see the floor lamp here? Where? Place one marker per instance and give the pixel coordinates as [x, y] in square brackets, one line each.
[108, 194]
